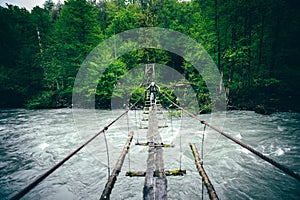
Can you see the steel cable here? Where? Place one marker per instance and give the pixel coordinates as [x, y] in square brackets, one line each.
[51, 170]
[269, 160]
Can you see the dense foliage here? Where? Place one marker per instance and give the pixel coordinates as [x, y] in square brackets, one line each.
[255, 45]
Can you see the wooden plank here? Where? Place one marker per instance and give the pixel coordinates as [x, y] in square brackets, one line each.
[151, 144]
[158, 112]
[136, 173]
[175, 172]
[160, 126]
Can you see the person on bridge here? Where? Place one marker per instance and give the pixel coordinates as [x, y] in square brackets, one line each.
[153, 90]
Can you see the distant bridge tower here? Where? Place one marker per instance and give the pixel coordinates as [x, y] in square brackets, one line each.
[149, 72]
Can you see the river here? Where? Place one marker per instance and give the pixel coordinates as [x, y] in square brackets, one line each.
[32, 141]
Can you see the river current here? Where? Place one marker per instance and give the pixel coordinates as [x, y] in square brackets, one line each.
[32, 141]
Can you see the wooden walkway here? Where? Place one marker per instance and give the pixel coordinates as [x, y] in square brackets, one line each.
[154, 186]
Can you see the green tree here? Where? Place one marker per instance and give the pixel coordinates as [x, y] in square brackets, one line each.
[20, 71]
[74, 35]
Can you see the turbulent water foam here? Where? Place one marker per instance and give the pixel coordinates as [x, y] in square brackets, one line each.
[32, 141]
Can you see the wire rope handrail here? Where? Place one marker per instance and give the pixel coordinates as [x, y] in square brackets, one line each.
[32, 185]
[269, 160]
[51, 170]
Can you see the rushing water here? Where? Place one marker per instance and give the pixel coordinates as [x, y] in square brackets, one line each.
[32, 141]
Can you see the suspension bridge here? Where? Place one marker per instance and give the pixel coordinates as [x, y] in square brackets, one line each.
[155, 174]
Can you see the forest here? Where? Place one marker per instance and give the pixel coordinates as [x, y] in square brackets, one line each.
[255, 45]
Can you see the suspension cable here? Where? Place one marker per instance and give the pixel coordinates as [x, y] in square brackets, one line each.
[180, 143]
[51, 170]
[202, 189]
[107, 155]
[136, 124]
[269, 160]
[172, 130]
[202, 158]
[128, 135]
[202, 145]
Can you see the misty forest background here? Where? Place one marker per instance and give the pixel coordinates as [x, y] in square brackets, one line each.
[255, 45]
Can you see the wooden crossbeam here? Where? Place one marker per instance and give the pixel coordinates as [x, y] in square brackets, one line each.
[148, 101]
[158, 112]
[176, 172]
[153, 144]
[160, 126]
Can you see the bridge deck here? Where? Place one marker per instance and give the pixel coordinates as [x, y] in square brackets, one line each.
[154, 187]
